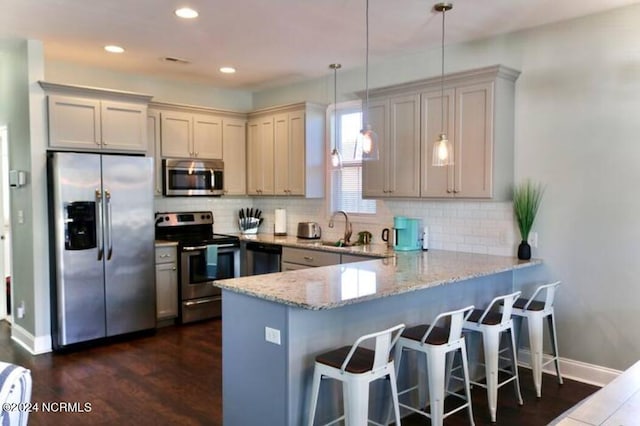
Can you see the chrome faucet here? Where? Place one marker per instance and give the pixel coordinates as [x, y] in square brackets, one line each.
[348, 230]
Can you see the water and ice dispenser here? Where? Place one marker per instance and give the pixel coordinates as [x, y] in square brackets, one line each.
[80, 225]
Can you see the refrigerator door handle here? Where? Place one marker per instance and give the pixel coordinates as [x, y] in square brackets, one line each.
[99, 224]
[108, 228]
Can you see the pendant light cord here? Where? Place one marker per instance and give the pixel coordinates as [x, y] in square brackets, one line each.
[442, 80]
[335, 106]
[365, 110]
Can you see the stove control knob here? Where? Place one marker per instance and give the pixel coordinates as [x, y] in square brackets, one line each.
[208, 216]
[166, 218]
[202, 216]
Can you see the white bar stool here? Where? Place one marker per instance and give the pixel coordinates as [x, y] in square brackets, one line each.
[492, 324]
[535, 312]
[356, 367]
[439, 345]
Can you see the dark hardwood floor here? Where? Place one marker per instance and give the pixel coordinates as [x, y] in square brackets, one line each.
[174, 378]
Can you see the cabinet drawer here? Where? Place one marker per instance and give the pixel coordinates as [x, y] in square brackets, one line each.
[165, 254]
[309, 257]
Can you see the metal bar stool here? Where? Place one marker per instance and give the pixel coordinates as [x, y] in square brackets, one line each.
[492, 324]
[356, 367]
[535, 312]
[439, 345]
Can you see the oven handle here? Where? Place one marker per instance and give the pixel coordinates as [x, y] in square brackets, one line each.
[196, 248]
[201, 301]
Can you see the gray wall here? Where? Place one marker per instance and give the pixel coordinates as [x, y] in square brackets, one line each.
[21, 103]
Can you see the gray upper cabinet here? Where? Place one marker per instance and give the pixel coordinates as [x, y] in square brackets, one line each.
[187, 131]
[286, 151]
[86, 118]
[396, 172]
[478, 119]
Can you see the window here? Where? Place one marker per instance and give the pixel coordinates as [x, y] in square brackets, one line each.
[346, 184]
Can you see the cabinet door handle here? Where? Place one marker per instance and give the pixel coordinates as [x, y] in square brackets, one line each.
[309, 258]
[448, 191]
[174, 268]
[455, 192]
[196, 154]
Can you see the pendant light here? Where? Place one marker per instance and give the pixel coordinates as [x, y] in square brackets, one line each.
[336, 158]
[442, 148]
[367, 138]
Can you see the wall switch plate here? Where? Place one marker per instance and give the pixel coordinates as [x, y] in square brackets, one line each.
[533, 239]
[272, 335]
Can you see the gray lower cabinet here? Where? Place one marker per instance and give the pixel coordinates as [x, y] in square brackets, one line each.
[296, 258]
[166, 283]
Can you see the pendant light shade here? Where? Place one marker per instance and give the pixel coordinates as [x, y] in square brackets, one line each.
[367, 138]
[335, 157]
[442, 148]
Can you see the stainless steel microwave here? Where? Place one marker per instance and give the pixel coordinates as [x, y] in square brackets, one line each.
[188, 178]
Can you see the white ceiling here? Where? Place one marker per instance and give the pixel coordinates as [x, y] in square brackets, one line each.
[270, 42]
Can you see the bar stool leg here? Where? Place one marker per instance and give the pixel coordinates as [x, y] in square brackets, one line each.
[467, 387]
[436, 368]
[394, 396]
[315, 391]
[554, 342]
[491, 343]
[535, 344]
[514, 364]
[356, 394]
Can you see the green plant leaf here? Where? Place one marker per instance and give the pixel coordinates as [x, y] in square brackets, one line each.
[526, 201]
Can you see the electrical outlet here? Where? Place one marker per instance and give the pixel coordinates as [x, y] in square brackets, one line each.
[20, 310]
[533, 239]
[20, 216]
[272, 335]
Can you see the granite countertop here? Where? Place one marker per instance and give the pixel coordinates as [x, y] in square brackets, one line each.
[373, 250]
[330, 287]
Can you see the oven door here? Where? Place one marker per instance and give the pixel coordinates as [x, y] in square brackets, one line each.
[195, 282]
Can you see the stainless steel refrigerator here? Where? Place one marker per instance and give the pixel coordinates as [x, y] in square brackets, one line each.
[102, 245]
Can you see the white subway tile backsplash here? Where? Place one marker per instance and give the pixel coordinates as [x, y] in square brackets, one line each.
[472, 226]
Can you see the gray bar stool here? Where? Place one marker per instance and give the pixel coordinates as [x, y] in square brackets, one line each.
[356, 367]
[439, 344]
[492, 324]
[535, 311]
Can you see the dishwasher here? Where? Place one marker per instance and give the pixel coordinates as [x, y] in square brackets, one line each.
[262, 258]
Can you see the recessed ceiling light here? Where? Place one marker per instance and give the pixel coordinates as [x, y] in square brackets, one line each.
[112, 48]
[186, 13]
[227, 70]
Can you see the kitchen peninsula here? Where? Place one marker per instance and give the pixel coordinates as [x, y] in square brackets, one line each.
[306, 312]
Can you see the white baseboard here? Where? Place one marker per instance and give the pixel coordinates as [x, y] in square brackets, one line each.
[572, 369]
[35, 345]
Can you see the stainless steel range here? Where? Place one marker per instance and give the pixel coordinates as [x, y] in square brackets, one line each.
[199, 298]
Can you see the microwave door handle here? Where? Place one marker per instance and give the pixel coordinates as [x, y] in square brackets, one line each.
[107, 195]
[99, 227]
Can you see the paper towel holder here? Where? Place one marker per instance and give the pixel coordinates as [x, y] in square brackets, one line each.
[280, 223]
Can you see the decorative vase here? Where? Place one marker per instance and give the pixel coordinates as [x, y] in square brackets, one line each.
[524, 251]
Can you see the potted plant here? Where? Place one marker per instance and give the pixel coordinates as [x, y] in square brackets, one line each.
[526, 200]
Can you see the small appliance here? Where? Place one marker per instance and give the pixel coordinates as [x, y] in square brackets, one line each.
[405, 234]
[309, 230]
[189, 178]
